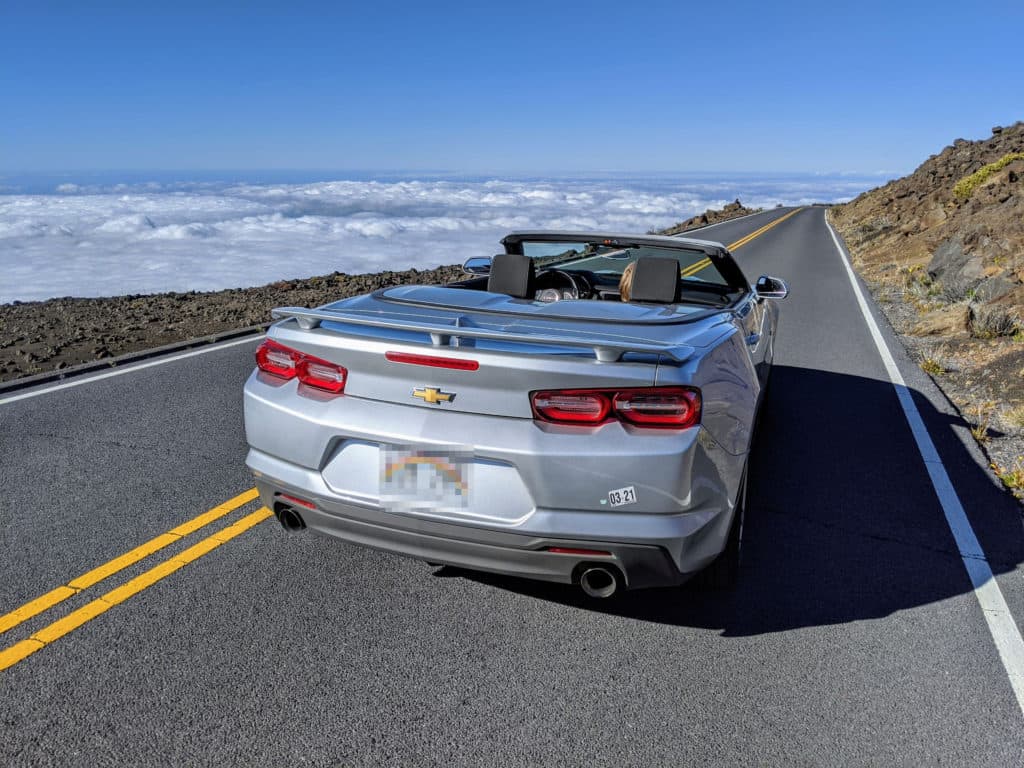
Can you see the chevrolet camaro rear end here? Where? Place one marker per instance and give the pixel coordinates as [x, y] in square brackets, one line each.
[487, 429]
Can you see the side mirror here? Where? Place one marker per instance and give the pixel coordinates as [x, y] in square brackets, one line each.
[771, 288]
[477, 265]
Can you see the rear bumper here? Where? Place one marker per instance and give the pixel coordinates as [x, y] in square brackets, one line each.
[481, 550]
[660, 550]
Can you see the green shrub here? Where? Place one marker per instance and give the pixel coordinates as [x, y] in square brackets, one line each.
[966, 186]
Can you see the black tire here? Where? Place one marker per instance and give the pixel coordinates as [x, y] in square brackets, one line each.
[724, 572]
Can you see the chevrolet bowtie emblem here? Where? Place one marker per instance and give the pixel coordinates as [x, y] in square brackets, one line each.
[433, 396]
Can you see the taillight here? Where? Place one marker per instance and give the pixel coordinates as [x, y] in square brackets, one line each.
[287, 363]
[572, 406]
[277, 359]
[659, 407]
[322, 374]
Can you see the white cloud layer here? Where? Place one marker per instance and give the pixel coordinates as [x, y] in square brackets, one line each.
[96, 241]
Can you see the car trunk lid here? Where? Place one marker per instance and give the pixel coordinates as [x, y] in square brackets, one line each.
[457, 359]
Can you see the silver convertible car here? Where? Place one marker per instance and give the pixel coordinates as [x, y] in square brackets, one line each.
[531, 420]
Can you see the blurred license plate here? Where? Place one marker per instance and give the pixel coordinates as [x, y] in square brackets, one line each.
[424, 480]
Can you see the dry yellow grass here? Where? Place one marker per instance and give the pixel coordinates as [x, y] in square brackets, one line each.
[1011, 477]
[981, 414]
[1014, 417]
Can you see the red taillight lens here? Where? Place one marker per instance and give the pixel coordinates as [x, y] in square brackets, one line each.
[322, 374]
[660, 407]
[677, 407]
[572, 406]
[287, 363]
[277, 359]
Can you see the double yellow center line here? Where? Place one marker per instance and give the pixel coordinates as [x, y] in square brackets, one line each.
[704, 263]
[48, 634]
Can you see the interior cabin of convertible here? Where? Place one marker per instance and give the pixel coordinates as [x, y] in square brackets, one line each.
[606, 270]
[640, 274]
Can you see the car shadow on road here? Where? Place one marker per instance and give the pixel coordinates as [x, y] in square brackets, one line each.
[843, 523]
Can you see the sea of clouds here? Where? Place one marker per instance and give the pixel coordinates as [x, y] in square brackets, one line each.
[144, 237]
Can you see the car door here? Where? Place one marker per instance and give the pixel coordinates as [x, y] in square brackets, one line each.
[752, 316]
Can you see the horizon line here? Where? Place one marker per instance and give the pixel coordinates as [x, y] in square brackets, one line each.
[560, 172]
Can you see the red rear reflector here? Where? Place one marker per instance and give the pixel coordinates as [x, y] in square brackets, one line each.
[583, 552]
[294, 500]
[287, 363]
[434, 362]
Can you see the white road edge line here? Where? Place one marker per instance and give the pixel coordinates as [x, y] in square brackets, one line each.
[1001, 623]
[77, 382]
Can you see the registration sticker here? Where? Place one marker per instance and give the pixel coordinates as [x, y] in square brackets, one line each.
[424, 480]
[622, 496]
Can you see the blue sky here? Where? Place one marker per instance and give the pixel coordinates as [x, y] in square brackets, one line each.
[521, 87]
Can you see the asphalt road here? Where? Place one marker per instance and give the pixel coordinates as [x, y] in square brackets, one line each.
[853, 638]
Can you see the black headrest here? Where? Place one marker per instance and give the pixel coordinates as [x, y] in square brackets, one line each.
[513, 275]
[655, 280]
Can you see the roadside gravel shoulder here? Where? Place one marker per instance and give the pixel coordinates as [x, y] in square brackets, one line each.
[982, 378]
[42, 336]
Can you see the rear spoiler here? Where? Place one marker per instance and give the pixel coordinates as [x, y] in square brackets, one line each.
[441, 334]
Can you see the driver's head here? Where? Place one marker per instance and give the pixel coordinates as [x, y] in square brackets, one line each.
[626, 281]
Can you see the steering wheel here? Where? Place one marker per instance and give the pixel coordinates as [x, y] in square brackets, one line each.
[566, 285]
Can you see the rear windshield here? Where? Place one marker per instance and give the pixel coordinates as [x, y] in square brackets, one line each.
[694, 265]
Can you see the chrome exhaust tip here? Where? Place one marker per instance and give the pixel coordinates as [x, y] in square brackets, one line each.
[599, 582]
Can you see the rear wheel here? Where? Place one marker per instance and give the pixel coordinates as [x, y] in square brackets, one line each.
[723, 573]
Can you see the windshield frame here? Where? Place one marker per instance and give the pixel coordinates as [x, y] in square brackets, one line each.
[719, 257]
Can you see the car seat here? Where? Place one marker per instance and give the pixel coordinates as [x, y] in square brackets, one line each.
[655, 281]
[512, 274]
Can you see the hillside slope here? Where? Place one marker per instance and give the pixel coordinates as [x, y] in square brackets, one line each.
[943, 250]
